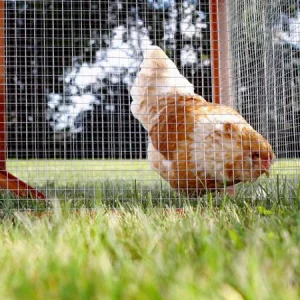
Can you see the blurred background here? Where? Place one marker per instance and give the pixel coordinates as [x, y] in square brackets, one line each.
[70, 66]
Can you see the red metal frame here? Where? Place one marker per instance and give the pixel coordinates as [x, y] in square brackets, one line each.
[7, 180]
[221, 74]
[220, 53]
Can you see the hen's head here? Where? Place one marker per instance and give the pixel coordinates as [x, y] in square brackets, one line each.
[256, 157]
[260, 154]
[262, 159]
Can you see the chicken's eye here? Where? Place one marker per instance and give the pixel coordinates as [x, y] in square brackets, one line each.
[255, 155]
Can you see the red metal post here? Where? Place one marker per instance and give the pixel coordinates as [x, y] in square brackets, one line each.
[220, 53]
[7, 180]
[2, 89]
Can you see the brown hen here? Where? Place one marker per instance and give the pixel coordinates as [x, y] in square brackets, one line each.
[193, 144]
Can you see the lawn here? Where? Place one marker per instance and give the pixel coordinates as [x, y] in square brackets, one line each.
[233, 251]
[214, 247]
[86, 182]
[70, 171]
[38, 172]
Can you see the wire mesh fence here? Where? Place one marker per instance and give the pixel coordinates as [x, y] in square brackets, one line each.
[265, 52]
[70, 66]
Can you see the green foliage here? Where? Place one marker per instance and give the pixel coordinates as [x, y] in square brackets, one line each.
[88, 183]
[235, 251]
[134, 239]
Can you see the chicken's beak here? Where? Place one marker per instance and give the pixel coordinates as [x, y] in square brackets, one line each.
[265, 166]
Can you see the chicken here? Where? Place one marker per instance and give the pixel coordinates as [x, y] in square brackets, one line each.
[194, 145]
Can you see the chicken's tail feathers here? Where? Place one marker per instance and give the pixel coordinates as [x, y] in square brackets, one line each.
[154, 56]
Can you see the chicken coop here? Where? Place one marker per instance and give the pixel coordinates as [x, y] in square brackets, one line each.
[67, 68]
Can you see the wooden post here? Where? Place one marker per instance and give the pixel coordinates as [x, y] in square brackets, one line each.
[220, 53]
[7, 180]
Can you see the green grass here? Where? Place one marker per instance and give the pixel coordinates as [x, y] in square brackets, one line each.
[86, 183]
[73, 171]
[216, 247]
[62, 172]
[231, 251]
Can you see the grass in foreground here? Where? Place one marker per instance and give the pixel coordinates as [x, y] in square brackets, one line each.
[77, 247]
[230, 251]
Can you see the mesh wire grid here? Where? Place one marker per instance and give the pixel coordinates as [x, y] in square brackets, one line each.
[69, 69]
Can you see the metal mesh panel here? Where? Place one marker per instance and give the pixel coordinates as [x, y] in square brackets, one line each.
[69, 69]
[265, 37]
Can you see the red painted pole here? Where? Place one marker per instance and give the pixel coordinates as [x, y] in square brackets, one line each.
[2, 88]
[7, 180]
[220, 53]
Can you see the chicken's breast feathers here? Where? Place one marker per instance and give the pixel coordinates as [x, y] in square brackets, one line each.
[208, 144]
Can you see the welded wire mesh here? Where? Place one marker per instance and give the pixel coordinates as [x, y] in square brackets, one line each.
[265, 40]
[70, 66]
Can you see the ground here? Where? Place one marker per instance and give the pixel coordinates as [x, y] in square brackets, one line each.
[88, 182]
[216, 247]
